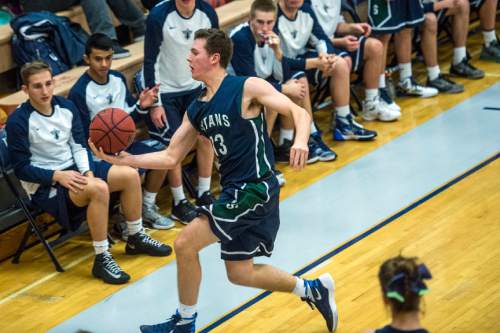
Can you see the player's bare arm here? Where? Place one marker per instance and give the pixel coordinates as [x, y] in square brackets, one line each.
[180, 145]
[258, 90]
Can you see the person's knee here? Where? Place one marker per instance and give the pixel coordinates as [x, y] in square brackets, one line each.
[341, 70]
[183, 245]
[374, 48]
[97, 188]
[430, 23]
[130, 176]
[463, 7]
[238, 277]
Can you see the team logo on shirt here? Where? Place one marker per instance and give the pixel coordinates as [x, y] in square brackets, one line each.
[55, 132]
[187, 33]
[109, 98]
[294, 34]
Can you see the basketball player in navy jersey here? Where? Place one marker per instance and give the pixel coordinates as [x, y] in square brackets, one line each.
[245, 218]
[49, 154]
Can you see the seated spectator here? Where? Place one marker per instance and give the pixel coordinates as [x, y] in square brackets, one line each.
[100, 88]
[487, 17]
[170, 29]
[98, 17]
[257, 52]
[458, 11]
[49, 155]
[402, 283]
[398, 17]
[299, 28]
[363, 54]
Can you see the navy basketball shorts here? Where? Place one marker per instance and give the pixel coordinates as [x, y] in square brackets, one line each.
[387, 17]
[245, 218]
[175, 105]
[357, 55]
[476, 3]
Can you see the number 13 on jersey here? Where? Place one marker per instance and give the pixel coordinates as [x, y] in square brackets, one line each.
[218, 144]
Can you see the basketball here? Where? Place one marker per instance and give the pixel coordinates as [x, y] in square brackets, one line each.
[113, 130]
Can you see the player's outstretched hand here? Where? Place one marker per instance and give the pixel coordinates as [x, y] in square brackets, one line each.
[113, 159]
[298, 155]
[70, 179]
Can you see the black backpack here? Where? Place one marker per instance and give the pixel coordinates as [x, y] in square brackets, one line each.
[49, 38]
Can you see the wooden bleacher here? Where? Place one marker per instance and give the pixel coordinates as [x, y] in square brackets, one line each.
[229, 15]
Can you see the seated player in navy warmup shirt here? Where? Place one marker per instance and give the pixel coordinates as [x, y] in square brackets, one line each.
[100, 88]
[257, 52]
[49, 154]
[402, 282]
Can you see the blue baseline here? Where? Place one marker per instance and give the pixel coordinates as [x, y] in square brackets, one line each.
[353, 241]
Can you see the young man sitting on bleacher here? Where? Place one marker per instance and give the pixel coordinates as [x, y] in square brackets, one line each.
[49, 154]
[100, 88]
[362, 53]
[257, 52]
[458, 12]
[170, 29]
[98, 17]
[299, 30]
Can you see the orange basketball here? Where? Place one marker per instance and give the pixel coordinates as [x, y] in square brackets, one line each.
[113, 130]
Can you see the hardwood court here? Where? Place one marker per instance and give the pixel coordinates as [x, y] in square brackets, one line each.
[456, 234]
[35, 298]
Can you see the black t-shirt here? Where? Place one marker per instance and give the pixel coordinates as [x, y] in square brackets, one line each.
[390, 329]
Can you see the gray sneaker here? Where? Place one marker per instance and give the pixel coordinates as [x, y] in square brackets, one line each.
[445, 85]
[152, 217]
[492, 52]
[466, 70]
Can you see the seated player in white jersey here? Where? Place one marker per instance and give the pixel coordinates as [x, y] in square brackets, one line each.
[303, 38]
[364, 55]
[170, 28]
[49, 154]
[458, 12]
[245, 218]
[257, 52]
[100, 88]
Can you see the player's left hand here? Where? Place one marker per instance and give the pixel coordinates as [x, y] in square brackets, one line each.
[112, 159]
[362, 29]
[298, 155]
[148, 97]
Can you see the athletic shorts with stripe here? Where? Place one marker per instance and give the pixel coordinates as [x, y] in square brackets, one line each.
[387, 17]
[245, 218]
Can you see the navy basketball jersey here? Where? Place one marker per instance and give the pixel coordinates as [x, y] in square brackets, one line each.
[241, 145]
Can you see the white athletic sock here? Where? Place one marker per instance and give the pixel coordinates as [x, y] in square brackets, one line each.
[433, 72]
[371, 94]
[459, 54]
[285, 134]
[134, 227]
[342, 111]
[404, 71]
[100, 246]
[178, 194]
[489, 37]
[313, 128]
[300, 288]
[187, 311]
[203, 185]
[381, 81]
[148, 198]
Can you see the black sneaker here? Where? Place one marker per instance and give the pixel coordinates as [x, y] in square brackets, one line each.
[282, 153]
[206, 199]
[184, 211]
[445, 85]
[142, 243]
[466, 70]
[491, 53]
[106, 269]
[119, 52]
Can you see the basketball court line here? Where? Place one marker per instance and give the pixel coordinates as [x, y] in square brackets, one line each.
[325, 258]
[384, 181]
